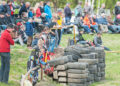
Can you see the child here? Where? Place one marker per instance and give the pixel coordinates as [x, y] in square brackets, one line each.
[79, 38]
[29, 32]
[30, 13]
[25, 17]
[98, 41]
[36, 59]
[35, 41]
[21, 36]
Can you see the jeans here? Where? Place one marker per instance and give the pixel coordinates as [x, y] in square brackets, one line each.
[105, 48]
[86, 28]
[51, 44]
[59, 35]
[48, 20]
[3, 27]
[5, 67]
[117, 27]
[95, 27]
[103, 28]
[82, 42]
[67, 19]
[20, 40]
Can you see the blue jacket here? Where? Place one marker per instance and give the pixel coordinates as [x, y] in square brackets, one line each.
[48, 11]
[29, 29]
[30, 14]
[102, 21]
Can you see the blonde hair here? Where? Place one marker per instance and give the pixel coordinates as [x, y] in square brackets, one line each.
[37, 35]
[40, 43]
[36, 6]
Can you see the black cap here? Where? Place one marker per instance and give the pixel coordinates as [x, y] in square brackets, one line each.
[10, 26]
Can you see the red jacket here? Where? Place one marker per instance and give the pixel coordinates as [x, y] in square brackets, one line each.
[38, 12]
[5, 42]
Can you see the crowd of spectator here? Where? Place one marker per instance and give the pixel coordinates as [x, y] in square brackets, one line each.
[39, 22]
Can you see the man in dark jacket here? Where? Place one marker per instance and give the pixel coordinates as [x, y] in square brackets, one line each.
[5, 42]
[68, 13]
[24, 8]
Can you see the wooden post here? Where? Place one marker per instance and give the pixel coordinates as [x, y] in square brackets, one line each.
[74, 34]
[46, 57]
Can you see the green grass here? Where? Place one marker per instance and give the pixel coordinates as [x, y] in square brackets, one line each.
[19, 57]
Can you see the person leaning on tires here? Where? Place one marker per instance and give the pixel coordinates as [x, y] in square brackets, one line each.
[5, 42]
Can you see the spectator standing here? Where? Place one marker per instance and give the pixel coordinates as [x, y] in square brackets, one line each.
[24, 8]
[38, 11]
[79, 10]
[102, 10]
[42, 7]
[16, 11]
[87, 8]
[29, 32]
[5, 42]
[31, 13]
[47, 10]
[7, 12]
[68, 13]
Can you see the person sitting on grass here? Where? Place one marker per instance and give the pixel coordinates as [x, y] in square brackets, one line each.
[80, 40]
[79, 37]
[98, 41]
[22, 38]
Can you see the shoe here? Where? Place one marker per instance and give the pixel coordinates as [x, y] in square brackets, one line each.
[91, 33]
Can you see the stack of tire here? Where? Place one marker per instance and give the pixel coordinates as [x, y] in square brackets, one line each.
[80, 66]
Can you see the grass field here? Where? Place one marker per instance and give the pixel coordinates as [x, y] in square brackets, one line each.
[19, 57]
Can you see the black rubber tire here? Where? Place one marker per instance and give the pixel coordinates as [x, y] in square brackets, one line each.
[77, 76]
[60, 60]
[73, 84]
[79, 81]
[77, 65]
[62, 79]
[76, 71]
